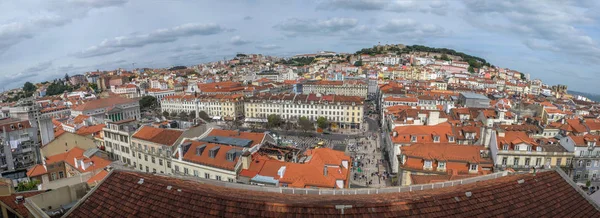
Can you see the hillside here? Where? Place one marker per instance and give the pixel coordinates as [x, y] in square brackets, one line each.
[593, 97]
[475, 62]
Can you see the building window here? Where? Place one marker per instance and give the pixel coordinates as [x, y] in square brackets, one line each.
[61, 174]
[218, 178]
[146, 157]
[588, 163]
[473, 167]
[538, 161]
[153, 160]
[160, 162]
[527, 160]
[168, 164]
[185, 171]
[580, 163]
[229, 179]
[176, 168]
[196, 173]
[147, 169]
[427, 164]
[504, 161]
[516, 161]
[442, 165]
[206, 176]
[558, 160]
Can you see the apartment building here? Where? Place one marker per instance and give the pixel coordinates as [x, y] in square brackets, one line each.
[218, 106]
[159, 94]
[442, 160]
[20, 144]
[340, 111]
[154, 147]
[127, 90]
[114, 108]
[216, 154]
[518, 151]
[408, 135]
[586, 156]
[345, 87]
[117, 139]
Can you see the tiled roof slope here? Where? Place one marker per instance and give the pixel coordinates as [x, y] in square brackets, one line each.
[523, 195]
[19, 207]
[158, 135]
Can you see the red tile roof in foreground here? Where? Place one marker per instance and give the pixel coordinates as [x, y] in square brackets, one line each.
[547, 194]
[10, 201]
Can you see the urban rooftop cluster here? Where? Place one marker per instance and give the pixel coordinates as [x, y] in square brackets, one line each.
[388, 131]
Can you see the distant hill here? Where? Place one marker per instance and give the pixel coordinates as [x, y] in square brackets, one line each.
[593, 97]
[475, 62]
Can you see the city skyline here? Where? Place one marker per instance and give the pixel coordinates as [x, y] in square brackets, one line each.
[554, 42]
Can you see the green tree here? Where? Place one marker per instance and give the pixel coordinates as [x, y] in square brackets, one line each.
[305, 124]
[93, 86]
[322, 122]
[29, 87]
[67, 77]
[165, 114]
[192, 115]
[523, 76]
[471, 70]
[204, 115]
[273, 120]
[27, 186]
[173, 114]
[183, 115]
[445, 57]
[358, 63]
[148, 102]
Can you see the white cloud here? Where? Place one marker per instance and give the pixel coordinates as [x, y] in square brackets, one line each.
[120, 43]
[238, 40]
[268, 47]
[56, 15]
[295, 26]
[437, 6]
[552, 27]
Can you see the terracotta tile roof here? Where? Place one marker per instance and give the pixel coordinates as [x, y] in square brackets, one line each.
[80, 118]
[255, 137]
[547, 194]
[581, 141]
[513, 138]
[36, 170]
[158, 135]
[219, 161]
[445, 152]
[69, 158]
[87, 130]
[10, 201]
[423, 133]
[103, 103]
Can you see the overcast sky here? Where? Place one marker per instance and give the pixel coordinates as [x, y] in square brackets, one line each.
[556, 41]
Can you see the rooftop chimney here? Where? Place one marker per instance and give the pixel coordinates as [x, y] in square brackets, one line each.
[325, 171]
